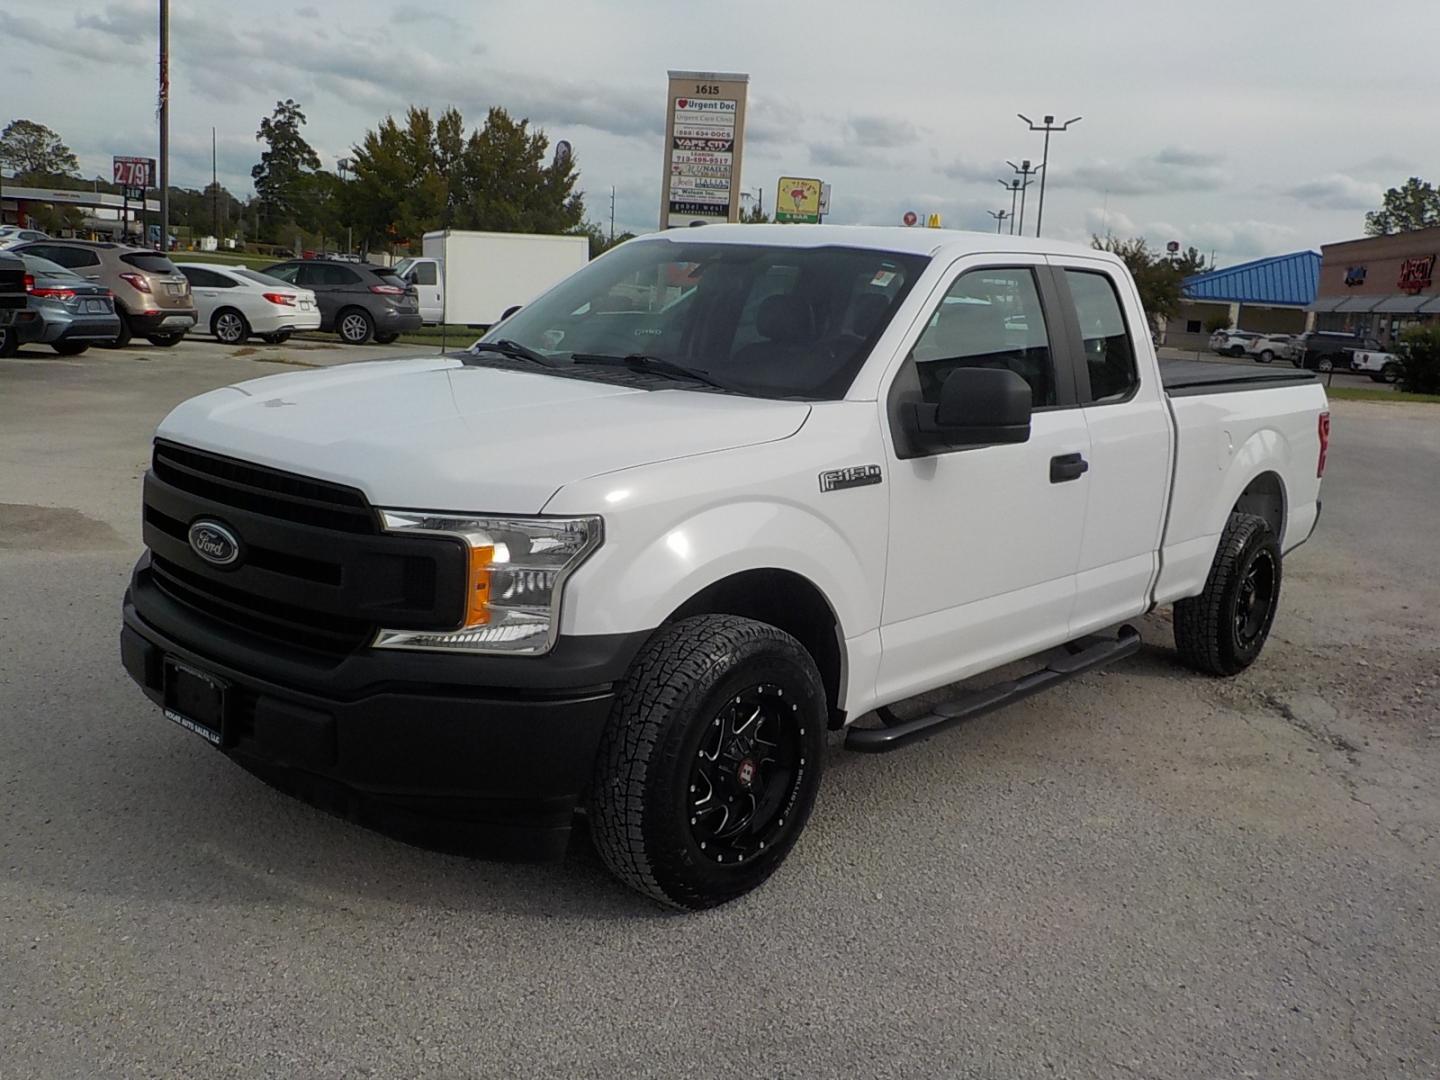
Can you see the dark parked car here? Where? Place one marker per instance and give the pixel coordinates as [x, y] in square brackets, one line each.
[64, 311]
[1327, 350]
[13, 298]
[152, 297]
[357, 300]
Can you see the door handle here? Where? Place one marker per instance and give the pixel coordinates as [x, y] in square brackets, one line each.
[1065, 467]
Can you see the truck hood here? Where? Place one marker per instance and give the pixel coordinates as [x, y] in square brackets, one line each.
[434, 434]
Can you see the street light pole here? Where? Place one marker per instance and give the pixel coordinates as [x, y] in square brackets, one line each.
[1024, 172]
[1014, 188]
[164, 126]
[999, 216]
[1046, 127]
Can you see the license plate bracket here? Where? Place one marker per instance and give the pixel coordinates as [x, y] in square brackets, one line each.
[195, 700]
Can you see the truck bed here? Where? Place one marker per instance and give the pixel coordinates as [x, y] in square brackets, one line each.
[1183, 378]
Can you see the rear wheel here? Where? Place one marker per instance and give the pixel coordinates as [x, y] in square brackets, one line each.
[1390, 373]
[386, 339]
[1266, 356]
[126, 332]
[164, 341]
[229, 326]
[277, 338]
[1237, 350]
[70, 348]
[9, 343]
[1325, 363]
[1221, 631]
[710, 761]
[355, 326]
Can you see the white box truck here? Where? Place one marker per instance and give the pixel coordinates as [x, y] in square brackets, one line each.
[473, 277]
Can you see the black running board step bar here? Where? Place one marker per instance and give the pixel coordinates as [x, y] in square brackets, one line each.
[1083, 655]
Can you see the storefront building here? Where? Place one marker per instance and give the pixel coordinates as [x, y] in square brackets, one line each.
[1380, 285]
[1268, 296]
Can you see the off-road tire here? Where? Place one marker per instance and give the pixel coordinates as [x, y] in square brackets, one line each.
[682, 679]
[1206, 635]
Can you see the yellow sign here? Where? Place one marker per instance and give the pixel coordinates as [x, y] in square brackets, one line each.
[934, 222]
[798, 199]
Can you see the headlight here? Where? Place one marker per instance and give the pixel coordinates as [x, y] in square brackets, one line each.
[517, 567]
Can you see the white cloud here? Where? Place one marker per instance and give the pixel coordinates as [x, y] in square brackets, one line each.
[1166, 171]
[1337, 192]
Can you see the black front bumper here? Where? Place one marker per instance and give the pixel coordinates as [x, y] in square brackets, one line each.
[484, 755]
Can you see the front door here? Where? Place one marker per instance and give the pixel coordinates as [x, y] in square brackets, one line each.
[425, 276]
[984, 541]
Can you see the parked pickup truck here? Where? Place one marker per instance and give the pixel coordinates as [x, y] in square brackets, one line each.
[720, 491]
[1381, 366]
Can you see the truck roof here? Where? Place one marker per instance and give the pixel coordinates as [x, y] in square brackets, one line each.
[912, 240]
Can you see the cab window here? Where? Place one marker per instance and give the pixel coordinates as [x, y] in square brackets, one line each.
[1109, 353]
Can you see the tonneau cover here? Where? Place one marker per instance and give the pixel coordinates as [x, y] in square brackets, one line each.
[1184, 377]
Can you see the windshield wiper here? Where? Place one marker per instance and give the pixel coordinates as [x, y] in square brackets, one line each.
[512, 350]
[652, 365]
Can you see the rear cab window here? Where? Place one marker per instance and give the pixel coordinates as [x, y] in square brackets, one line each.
[1107, 347]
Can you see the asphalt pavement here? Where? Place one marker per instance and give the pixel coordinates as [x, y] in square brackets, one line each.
[1143, 874]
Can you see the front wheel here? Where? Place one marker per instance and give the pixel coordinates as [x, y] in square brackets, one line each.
[355, 326]
[277, 338]
[1267, 356]
[1221, 631]
[1325, 364]
[9, 343]
[386, 339]
[1390, 373]
[1237, 350]
[710, 761]
[70, 348]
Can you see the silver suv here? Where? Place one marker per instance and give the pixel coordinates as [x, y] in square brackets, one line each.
[152, 297]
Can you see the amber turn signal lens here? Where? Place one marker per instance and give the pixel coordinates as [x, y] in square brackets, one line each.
[477, 607]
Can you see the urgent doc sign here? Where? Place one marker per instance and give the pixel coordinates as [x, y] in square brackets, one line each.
[133, 172]
[704, 138]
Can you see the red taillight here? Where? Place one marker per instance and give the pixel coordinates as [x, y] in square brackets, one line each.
[280, 298]
[1323, 426]
[53, 294]
[136, 281]
[387, 290]
[30, 283]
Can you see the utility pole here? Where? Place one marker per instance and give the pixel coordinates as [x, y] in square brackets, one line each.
[612, 213]
[1047, 128]
[1024, 173]
[214, 194]
[999, 216]
[164, 125]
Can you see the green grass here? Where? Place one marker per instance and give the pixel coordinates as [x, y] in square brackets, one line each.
[1366, 393]
[228, 258]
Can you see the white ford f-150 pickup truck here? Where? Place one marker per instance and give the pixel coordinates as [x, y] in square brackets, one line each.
[635, 551]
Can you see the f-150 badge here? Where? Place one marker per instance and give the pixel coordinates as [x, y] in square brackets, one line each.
[854, 476]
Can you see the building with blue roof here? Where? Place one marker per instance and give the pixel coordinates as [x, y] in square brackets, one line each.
[1269, 296]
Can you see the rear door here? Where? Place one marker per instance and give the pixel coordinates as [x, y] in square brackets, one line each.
[1130, 442]
[984, 541]
[329, 297]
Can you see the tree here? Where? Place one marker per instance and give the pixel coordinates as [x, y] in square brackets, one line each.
[1405, 209]
[1156, 278]
[34, 152]
[1191, 262]
[280, 176]
[426, 174]
[1420, 356]
[754, 216]
[600, 241]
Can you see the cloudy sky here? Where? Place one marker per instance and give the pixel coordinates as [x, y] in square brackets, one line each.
[1250, 127]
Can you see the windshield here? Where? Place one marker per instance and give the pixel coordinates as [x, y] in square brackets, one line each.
[37, 265]
[257, 277]
[769, 321]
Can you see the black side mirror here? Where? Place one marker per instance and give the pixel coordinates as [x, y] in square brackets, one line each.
[978, 407]
[510, 311]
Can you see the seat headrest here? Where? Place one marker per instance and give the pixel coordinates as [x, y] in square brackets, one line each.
[786, 319]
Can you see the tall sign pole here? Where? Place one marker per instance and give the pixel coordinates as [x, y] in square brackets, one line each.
[164, 125]
[704, 144]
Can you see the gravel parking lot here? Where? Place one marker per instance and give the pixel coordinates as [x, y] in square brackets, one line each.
[1143, 874]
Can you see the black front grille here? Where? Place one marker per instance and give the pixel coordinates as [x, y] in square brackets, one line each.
[262, 490]
[315, 571]
[271, 621]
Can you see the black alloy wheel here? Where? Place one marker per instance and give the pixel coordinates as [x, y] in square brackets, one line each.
[1256, 600]
[745, 775]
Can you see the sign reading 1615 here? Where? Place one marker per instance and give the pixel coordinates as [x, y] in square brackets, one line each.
[707, 88]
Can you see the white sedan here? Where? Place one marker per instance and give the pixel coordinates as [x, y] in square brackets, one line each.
[235, 302]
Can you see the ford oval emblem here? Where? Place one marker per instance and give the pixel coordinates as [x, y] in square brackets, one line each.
[214, 543]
